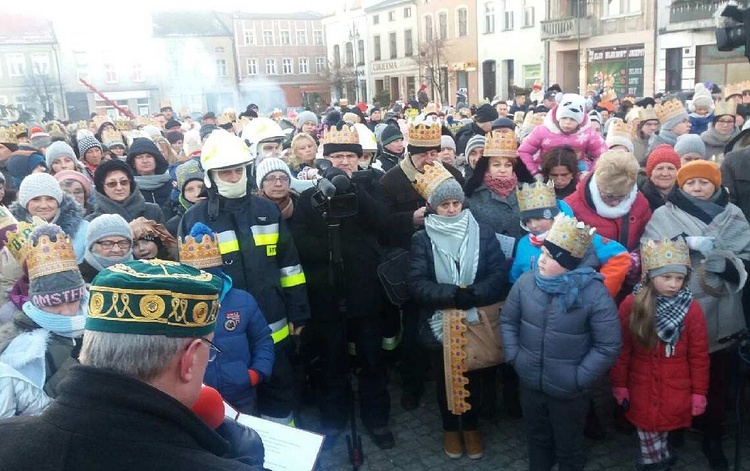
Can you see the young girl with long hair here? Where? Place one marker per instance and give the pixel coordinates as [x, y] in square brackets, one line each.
[661, 376]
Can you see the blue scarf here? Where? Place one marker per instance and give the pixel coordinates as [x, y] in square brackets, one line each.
[567, 286]
[66, 326]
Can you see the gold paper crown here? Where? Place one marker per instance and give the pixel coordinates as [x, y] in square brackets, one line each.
[538, 195]
[732, 89]
[411, 113]
[500, 144]
[48, 258]
[6, 218]
[99, 119]
[82, 124]
[201, 254]
[430, 108]
[647, 114]
[725, 108]
[620, 128]
[570, 234]
[166, 103]
[18, 240]
[18, 129]
[427, 181]
[223, 119]
[425, 133]
[658, 254]
[608, 95]
[347, 135]
[592, 88]
[110, 137]
[518, 117]
[669, 109]
[56, 129]
[231, 114]
[123, 124]
[7, 136]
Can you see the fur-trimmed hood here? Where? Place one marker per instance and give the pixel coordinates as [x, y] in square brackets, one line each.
[70, 214]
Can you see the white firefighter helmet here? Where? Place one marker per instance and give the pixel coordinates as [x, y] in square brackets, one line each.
[222, 150]
[366, 138]
[259, 130]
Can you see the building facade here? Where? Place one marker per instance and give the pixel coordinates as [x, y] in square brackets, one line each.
[590, 40]
[346, 36]
[281, 60]
[510, 51]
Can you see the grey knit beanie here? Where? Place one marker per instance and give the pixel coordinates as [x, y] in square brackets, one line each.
[690, 144]
[447, 142]
[190, 170]
[670, 123]
[107, 225]
[85, 143]
[39, 184]
[450, 189]
[269, 165]
[59, 149]
[304, 117]
[476, 141]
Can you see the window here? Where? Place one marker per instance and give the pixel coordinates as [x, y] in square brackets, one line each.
[82, 62]
[408, 44]
[337, 56]
[531, 73]
[252, 67]
[286, 66]
[221, 68]
[219, 49]
[407, 12]
[528, 17]
[137, 73]
[110, 73]
[489, 17]
[268, 38]
[392, 41]
[360, 52]
[302, 38]
[463, 22]
[286, 38]
[507, 20]
[674, 69]
[349, 54]
[16, 65]
[270, 66]
[40, 64]
[376, 19]
[632, 6]
[249, 36]
[428, 28]
[376, 46]
[391, 16]
[304, 65]
[318, 38]
[320, 64]
[443, 25]
[612, 7]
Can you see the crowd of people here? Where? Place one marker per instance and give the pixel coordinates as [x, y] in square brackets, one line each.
[574, 244]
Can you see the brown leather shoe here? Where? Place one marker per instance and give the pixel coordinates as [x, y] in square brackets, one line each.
[473, 442]
[453, 446]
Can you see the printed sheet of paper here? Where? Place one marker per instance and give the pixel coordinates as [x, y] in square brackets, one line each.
[506, 244]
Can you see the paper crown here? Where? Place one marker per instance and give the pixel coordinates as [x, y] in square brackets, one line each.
[608, 95]
[231, 114]
[7, 136]
[619, 127]
[203, 253]
[732, 89]
[346, 135]
[6, 218]
[725, 108]
[54, 128]
[427, 181]
[99, 119]
[500, 144]
[571, 235]
[592, 88]
[430, 108]
[538, 195]
[647, 114]
[424, 133]
[669, 109]
[122, 124]
[47, 257]
[110, 137]
[165, 103]
[658, 254]
[518, 117]
[18, 240]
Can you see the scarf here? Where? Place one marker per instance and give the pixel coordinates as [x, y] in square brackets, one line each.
[566, 287]
[537, 240]
[286, 205]
[667, 136]
[100, 263]
[502, 186]
[670, 316]
[65, 326]
[152, 182]
[713, 138]
[711, 207]
[611, 212]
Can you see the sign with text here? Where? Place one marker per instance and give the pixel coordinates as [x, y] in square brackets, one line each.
[623, 63]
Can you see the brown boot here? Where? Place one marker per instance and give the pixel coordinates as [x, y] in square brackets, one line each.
[473, 442]
[453, 446]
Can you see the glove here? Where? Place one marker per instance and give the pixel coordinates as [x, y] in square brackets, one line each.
[621, 395]
[730, 273]
[255, 377]
[634, 272]
[465, 299]
[698, 406]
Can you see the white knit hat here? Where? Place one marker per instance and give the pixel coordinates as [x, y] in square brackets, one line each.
[266, 166]
[39, 184]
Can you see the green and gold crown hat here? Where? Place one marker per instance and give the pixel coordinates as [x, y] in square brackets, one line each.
[154, 297]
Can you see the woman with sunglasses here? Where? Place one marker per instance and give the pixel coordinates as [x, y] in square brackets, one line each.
[116, 192]
[109, 241]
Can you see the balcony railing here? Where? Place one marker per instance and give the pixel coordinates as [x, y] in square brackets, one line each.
[566, 28]
[684, 11]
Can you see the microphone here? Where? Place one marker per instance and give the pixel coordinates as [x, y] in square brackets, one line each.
[341, 183]
[209, 407]
[326, 188]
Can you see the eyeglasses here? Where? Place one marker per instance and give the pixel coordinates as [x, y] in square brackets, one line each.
[610, 198]
[279, 179]
[122, 183]
[110, 244]
[339, 158]
[213, 350]
[726, 121]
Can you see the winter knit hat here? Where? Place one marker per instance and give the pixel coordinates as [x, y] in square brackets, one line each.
[690, 144]
[85, 143]
[596, 116]
[109, 166]
[699, 169]
[475, 142]
[59, 149]
[503, 123]
[20, 165]
[175, 136]
[40, 140]
[58, 281]
[107, 225]
[267, 166]
[39, 184]
[305, 117]
[618, 134]
[447, 142]
[702, 97]
[75, 176]
[662, 154]
[486, 113]
[187, 172]
[450, 189]
[390, 134]
[616, 172]
[571, 105]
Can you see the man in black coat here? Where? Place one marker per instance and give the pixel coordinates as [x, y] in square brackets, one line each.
[481, 125]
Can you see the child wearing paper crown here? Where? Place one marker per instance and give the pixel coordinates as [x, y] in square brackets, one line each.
[566, 125]
[242, 333]
[538, 207]
[661, 376]
[560, 332]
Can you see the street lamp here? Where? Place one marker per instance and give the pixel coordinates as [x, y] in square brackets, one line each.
[354, 39]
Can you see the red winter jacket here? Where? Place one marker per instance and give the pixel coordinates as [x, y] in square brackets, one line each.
[660, 388]
[583, 208]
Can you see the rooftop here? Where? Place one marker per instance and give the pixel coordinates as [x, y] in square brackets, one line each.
[26, 29]
[303, 15]
[188, 24]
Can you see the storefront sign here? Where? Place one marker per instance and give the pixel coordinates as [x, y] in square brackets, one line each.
[387, 66]
[624, 64]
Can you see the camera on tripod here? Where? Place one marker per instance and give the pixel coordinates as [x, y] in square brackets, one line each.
[731, 32]
[336, 197]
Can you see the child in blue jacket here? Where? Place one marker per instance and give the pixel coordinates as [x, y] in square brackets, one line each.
[242, 333]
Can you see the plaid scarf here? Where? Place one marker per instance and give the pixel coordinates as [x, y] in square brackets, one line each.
[670, 316]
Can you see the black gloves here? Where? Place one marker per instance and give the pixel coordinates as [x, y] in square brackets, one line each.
[730, 273]
[465, 299]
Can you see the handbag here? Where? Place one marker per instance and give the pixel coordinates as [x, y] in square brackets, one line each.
[392, 273]
[484, 348]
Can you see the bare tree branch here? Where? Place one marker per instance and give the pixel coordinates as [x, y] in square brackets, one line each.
[338, 75]
[432, 59]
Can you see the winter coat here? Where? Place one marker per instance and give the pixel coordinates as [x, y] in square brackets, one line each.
[133, 207]
[360, 252]
[105, 420]
[559, 352]
[388, 160]
[70, 219]
[159, 196]
[18, 395]
[715, 142]
[640, 147]
[563, 193]
[244, 339]
[465, 133]
[401, 200]
[584, 210]
[587, 143]
[660, 387]
[490, 283]
[699, 124]
[653, 195]
[497, 213]
[735, 176]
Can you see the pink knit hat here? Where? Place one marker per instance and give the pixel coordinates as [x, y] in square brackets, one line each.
[77, 176]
